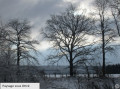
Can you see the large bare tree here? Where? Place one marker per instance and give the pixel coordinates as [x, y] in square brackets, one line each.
[67, 32]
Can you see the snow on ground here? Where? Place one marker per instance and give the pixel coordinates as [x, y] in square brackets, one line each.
[80, 83]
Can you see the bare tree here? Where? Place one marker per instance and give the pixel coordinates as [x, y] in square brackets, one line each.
[105, 29]
[19, 37]
[115, 9]
[7, 57]
[67, 32]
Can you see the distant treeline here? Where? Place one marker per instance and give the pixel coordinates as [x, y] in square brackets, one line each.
[113, 69]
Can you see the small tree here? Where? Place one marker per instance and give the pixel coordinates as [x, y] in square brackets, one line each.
[19, 37]
[105, 29]
[67, 32]
[7, 57]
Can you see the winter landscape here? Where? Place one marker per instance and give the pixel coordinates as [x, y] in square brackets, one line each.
[61, 44]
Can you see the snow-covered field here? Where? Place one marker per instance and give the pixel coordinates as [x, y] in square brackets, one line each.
[80, 83]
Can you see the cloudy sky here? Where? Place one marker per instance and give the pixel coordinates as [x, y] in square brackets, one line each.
[37, 12]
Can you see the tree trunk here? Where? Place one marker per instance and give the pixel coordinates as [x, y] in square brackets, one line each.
[18, 52]
[18, 57]
[88, 72]
[18, 61]
[71, 64]
[103, 51]
[71, 69]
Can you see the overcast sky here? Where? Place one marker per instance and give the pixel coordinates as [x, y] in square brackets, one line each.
[37, 12]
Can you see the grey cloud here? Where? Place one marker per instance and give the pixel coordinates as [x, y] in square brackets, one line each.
[17, 8]
[37, 11]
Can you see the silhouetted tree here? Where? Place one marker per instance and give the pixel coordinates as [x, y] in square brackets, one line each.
[104, 25]
[67, 32]
[7, 56]
[115, 9]
[19, 36]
